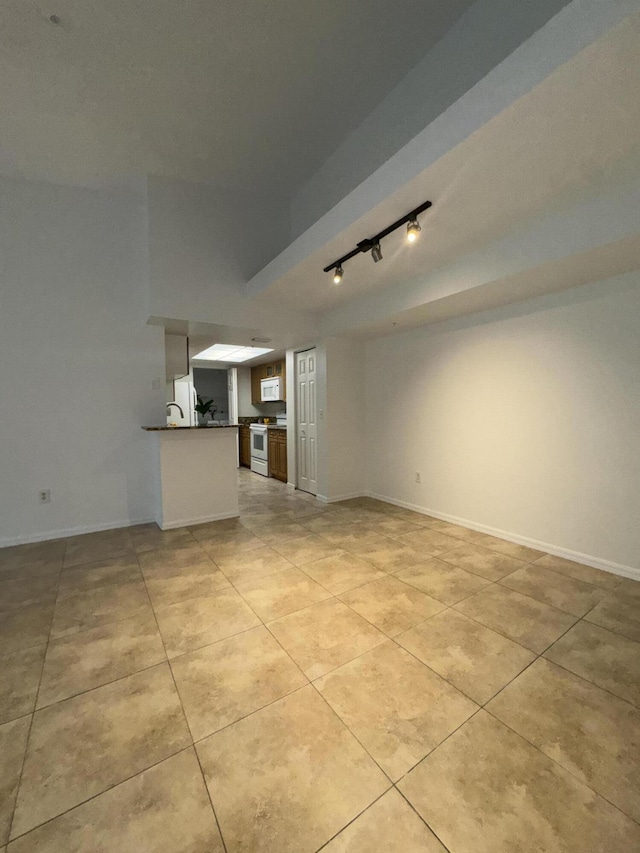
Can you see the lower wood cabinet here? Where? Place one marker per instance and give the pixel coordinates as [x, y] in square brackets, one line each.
[244, 444]
[278, 454]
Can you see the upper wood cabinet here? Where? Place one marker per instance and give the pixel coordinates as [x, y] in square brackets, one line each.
[256, 376]
[268, 371]
[275, 369]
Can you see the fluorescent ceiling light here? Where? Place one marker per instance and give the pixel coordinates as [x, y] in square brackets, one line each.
[230, 352]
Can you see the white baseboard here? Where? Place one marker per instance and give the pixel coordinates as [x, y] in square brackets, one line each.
[8, 541]
[346, 497]
[187, 522]
[549, 548]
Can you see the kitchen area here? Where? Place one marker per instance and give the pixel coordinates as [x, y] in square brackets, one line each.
[220, 415]
[263, 436]
[208, 388]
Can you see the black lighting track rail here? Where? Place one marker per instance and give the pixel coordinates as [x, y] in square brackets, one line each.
[369, 243]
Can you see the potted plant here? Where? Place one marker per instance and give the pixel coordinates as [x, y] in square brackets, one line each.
[203, 409]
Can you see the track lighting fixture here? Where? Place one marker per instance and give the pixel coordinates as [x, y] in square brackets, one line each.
[372, 244]
[413, 229]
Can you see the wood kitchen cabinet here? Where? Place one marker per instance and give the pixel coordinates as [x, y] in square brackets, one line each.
[257, 374]
[245, 445]
[278, 454]
[275, 369]
[267, 371]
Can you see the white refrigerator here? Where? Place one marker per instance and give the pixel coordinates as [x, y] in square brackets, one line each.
[185, 396]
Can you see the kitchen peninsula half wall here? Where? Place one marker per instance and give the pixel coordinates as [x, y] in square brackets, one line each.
[196, 474]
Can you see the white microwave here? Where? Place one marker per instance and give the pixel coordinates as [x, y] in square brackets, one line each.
[270, 389]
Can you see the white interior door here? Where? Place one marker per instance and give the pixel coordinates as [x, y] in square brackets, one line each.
[306, 421]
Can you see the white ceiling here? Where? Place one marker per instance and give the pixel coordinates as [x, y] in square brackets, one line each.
[243, 95]
[573, 137]
[236, 92]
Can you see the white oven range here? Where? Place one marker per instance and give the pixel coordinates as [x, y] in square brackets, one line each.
[259, 449]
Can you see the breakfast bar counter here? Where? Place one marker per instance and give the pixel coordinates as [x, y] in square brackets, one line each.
[196, 474]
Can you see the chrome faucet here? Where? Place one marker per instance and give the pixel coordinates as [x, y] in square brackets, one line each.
[177, 407]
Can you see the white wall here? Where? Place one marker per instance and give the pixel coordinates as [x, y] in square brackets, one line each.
[204, 244]
[77, 362]
[524, 420]
[345, 426]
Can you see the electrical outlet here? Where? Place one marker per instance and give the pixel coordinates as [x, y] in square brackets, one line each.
[155, 384]
[418, 477]
[44, 496]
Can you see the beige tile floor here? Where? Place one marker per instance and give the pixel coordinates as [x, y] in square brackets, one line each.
[351, 678]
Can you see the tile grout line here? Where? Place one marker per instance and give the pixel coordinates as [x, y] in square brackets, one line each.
[424, 820]
[387, 639]
[506, 636]
[588, 680]
[437, 746]
[311, 683]
[539, 749]
[353, 820]
[102, 684]
[611, 630]
[353, 734]
[561, 766]
[184, 714]
[213, 809]
[33, 712]
[100, 793]
[482, 706]
[335, 596]
[250, 713]
[83, 631]
[263, 624]
[247, 630]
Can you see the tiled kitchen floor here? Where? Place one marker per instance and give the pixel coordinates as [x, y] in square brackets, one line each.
[352, 677]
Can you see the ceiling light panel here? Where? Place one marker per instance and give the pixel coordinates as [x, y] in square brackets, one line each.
[231, 353]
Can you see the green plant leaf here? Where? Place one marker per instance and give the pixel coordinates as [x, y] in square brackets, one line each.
[202, 408]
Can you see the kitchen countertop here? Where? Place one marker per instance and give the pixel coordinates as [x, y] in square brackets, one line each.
[268, 426]
[201, 429]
